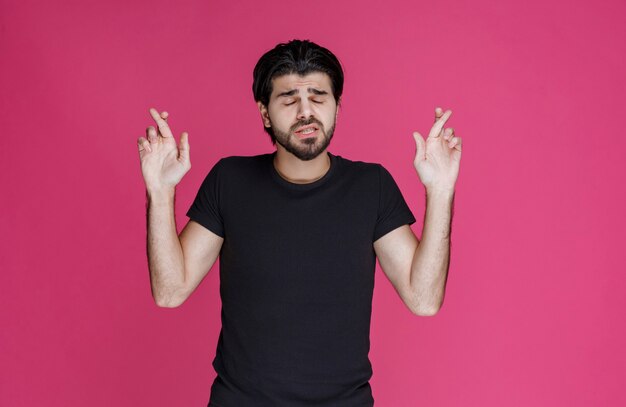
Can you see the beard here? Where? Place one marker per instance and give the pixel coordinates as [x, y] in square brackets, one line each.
[307, 148]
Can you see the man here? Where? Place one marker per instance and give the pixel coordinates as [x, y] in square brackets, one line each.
[298, 232]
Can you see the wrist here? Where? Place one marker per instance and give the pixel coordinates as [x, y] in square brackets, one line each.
[440, 192]
[162, 193]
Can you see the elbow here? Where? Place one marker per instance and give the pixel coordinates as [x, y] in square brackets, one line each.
[168, 301]
[425, 312]
[426, 305]
[429, 310]
[169, 295]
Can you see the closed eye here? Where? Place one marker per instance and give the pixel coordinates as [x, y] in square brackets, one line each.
[319, 102]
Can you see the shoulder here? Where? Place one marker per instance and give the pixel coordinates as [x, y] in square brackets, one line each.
[234, 167]
[235, 160]
[238, 163]
[361, 169]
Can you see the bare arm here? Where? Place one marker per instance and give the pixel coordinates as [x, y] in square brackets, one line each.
[177, 263]
[419, 270]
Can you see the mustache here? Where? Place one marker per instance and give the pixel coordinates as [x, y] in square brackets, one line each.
[306, 123]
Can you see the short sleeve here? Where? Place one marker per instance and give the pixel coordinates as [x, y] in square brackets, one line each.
[205, 208]
[393, 210]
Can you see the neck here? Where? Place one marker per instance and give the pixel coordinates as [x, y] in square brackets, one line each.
[296, 171]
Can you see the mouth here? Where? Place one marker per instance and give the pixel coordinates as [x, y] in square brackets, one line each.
[307, 131]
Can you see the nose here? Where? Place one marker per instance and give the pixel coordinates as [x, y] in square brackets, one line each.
[305, 111]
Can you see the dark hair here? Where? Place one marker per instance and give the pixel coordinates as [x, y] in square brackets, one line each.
[296, 56]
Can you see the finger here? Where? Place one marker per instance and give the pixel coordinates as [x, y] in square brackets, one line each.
[438, 113]
[420, 148]
[455, 143]
[448, 133]
[183, 148]
[164, 129]
[152, 134]
[165, 115]
[143, 144]
[435, 131]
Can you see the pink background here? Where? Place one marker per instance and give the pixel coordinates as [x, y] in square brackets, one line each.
[534, 308]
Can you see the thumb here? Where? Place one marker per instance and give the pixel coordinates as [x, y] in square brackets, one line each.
[183, 148]
[420, 146]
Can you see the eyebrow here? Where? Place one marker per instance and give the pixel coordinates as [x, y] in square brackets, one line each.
[310, 90]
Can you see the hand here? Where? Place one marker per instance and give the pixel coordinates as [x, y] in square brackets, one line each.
[437, 159]
[163, 165]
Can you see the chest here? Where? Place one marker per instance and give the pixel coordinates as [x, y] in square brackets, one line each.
[317, 243]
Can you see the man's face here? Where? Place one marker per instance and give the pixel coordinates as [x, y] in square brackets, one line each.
[302, 113]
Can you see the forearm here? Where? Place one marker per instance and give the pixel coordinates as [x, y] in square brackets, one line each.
[431, 260]
[165, 255]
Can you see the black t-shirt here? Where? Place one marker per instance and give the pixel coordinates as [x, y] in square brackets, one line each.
[296, 279]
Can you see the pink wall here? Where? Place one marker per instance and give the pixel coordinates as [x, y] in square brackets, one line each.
[534, 309]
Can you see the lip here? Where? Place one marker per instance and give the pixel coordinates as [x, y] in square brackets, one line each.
[311, 134]
[307, 127]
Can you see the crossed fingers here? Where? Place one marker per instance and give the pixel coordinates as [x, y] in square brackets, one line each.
[440, 120]
[448, 134]
[152, 133]
[163, 128]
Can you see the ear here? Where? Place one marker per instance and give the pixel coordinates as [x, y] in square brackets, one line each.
[264, 114]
